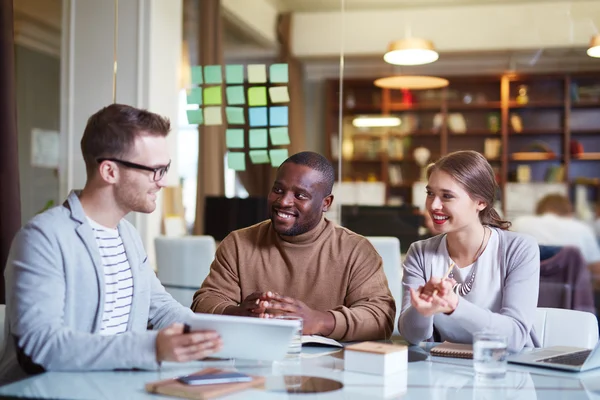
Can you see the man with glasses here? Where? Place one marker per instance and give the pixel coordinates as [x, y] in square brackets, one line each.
[80, 292]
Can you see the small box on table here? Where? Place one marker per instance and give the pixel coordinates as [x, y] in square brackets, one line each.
[376, 358]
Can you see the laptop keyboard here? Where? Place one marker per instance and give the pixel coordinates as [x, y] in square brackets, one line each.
[575, 359]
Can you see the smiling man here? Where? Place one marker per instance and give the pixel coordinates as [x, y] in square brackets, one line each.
[299, 263]
[80, 291]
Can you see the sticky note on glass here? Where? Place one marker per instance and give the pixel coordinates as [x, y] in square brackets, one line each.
[234, 138]
[257, 116]
[235, 95]
[212, 116]
[259, 156]
[279, 94]
[236, 161]
[279, 136]
[195, 96]
[278, 116]
[197, 75]
[195, 116]
[212, 95]
[258, 138]
[257, 96]
[257, 73]
[278, 156]
[212, 74]
[234, 74]
[235, 115]
[278, 73]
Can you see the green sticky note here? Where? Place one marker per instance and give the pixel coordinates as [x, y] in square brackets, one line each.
[278, 73]
[279, 94]
[234, 138]
[235, 95]
[257, 73]
[197, 75]
[236, 161]
[212, 74]
[234, 74]
[212, 95]
[279, 136]
[278, 156]
[195, 117]
[235, 115]
[195, 96]
[259, 156]
[278, 116]
[258, 138]
[212, 116]
[257, 96]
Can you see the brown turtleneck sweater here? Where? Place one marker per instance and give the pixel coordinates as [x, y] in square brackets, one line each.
[329, 268]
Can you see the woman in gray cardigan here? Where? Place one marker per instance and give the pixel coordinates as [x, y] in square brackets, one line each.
[492, 274]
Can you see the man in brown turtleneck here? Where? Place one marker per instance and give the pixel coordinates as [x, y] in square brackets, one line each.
[300, 263]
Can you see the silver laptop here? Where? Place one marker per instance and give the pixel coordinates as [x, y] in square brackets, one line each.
[560, 357]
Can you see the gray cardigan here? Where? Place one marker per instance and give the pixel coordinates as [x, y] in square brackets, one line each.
[55, 299]
[520, 272]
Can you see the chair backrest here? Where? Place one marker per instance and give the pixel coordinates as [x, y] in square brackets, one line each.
[183, 263]
[561, 327]
[389, 250]
[2, 316]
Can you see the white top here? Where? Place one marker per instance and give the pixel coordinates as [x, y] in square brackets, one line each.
[118, 282]
[554, 230]
[486, 291]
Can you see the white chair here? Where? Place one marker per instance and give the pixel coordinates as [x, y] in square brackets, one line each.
[562, 327]
[183, 263]
[389, 250]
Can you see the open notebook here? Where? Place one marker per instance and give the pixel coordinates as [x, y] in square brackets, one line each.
[456, 350]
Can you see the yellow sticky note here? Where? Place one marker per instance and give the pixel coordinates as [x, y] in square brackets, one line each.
[279, 136]
[234, 138]
[195, 116]
[195, 96]
[279, 94]
[279, 73]
[236, 161]
[259, 156]
[278, 156]
[257, 96]
[258, 138]
[212, 95]
[257, 73]
[235, 95]
[212, 116]
[235, 115]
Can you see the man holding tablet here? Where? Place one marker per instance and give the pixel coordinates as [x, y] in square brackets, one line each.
[80, 294]
[299, 263]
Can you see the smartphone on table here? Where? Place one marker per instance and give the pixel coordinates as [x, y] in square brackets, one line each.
[211, 379]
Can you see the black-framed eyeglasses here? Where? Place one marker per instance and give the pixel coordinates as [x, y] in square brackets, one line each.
[159, 172]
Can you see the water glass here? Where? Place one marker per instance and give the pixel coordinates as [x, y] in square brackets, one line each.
[295, 347]
[489, 355]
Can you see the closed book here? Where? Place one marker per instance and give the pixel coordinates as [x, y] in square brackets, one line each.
[172, 387]
[456, 350]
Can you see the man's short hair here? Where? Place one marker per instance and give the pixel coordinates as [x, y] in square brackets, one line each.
[554, 203]
[318, 163]
[112, 131]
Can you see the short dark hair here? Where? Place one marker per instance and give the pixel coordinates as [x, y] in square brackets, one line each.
[111, 132]
[318, 163]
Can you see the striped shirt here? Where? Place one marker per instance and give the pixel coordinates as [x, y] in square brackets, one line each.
[118, 289]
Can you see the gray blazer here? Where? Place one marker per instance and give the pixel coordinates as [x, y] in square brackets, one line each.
[520, 267]
[55, 300]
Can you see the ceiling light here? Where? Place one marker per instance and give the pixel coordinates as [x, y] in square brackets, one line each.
[413, 82]
[411, 51]
[375, 121]
[594, 50]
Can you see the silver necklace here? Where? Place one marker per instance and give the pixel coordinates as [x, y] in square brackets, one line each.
[462, 289]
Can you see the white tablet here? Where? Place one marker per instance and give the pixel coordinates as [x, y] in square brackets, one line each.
[247, 337]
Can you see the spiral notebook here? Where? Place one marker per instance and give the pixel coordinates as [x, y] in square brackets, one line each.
[456, 350]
